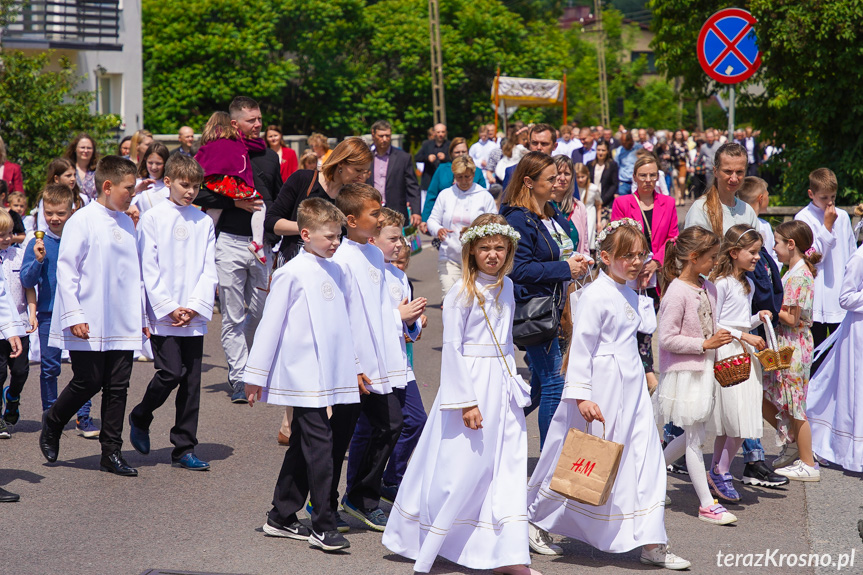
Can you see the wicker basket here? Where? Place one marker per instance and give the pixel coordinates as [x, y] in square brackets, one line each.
[774, 358]
[733, 370]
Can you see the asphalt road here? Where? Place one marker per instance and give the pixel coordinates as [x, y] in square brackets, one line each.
[74, 519]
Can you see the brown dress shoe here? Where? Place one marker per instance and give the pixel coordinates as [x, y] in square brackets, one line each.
[283, 439]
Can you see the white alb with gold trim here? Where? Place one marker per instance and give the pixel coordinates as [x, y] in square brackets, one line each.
[98, 282]
[463, 496]
[604, 367]
[303, 352]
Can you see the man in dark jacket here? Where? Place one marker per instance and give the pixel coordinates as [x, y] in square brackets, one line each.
[393, 175]
[432, 153]
[242, 278]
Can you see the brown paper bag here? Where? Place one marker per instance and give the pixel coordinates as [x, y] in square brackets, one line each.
[587, 467]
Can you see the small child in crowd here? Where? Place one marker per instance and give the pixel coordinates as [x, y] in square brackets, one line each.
[98, 301]
[377, 348]
[409, 327]
[305, 358]
[766, 295]
[39, 269]
[18, 204]
[688, 340]
[151, 188]
[177, 244]
[833, 238]
[737, 412]
[786, 389]
[18, 367]
[606, 387]
[224, 155]
[463, 496]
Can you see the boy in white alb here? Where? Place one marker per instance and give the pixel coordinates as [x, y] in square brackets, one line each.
[834, 240]
[11, 330]
[377, 348]
[408, 325]
[96, 313]
[18, 366]
[177, 243]
[306, 359]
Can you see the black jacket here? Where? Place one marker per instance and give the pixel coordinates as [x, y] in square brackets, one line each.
[768, 286]
[268, 181]
[608, 182]
[402, 187]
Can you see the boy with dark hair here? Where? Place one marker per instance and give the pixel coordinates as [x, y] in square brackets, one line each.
[98, 284]
[177, 245]
[378, 352]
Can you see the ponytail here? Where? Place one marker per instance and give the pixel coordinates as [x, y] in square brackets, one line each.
[713, 209]
[694, 241]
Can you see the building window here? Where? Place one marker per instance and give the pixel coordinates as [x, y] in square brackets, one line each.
[109, 97]
[649, 57]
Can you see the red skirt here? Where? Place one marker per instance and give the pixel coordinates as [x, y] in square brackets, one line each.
[230, 187]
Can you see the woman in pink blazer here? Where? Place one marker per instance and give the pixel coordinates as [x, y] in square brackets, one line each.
[658, 217]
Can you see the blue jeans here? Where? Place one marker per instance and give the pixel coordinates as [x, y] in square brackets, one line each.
[624, 188]
[414, 415]
[50, 366]
[546, 383]
[752, 451]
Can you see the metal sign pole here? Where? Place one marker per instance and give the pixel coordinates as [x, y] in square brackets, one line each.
[731, 99]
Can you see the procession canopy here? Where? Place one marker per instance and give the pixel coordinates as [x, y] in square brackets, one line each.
[527, 92]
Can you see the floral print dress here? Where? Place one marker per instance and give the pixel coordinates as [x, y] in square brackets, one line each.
[786, 389]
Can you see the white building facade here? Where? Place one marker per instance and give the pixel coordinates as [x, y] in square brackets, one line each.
[102, 38]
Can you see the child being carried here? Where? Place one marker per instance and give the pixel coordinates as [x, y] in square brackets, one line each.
[224, 155]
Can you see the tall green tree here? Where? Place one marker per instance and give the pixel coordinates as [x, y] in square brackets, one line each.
[199, 55]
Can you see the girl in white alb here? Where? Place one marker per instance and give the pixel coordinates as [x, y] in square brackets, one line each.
[737, 411]
[605, 385]
[834, 401]
[463, 496]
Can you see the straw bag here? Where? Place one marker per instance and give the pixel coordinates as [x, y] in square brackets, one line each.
[774, 358]
[733, 370]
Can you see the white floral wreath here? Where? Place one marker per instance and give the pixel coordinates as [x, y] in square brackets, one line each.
[612, 227]
[477, 232]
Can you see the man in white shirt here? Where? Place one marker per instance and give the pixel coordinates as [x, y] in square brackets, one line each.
[479, 151]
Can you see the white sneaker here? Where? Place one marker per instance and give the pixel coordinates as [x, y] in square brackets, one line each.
[540, 541]
[662, 557]
[800, 472]
[787, 456]
[667, 500]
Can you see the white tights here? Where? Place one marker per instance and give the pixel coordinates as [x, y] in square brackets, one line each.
[692, 444]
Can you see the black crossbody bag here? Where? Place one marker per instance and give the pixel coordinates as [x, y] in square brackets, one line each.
[537, 320]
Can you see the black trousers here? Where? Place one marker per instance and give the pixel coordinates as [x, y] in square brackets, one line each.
[384, 413]
[178, 366]
[343, 422]
[304, 472]
[19, 367]
[820, 332]
[92, 372]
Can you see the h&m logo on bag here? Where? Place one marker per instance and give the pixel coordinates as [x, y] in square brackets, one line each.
[582, 466]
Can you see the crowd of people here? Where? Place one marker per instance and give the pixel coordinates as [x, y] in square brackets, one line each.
[571, 253]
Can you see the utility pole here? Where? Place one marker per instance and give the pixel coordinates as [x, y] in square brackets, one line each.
[438, 102]
[600, 56]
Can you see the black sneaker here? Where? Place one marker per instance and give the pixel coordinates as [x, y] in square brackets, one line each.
[295, 530]
[328, 541]
[760, 474]
[10, 414]
[678, 467]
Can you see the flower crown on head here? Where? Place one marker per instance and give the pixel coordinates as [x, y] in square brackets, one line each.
[477, 232]
[612, 227]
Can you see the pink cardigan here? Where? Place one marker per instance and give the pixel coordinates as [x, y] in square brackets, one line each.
[579, 219]
[680, 335]
[664, 226]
